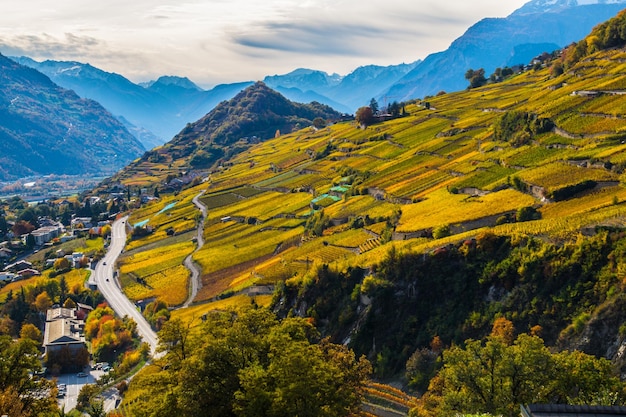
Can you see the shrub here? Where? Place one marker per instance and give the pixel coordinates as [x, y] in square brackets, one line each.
[441, 231]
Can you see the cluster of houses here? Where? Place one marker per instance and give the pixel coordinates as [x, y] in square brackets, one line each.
[43, 236]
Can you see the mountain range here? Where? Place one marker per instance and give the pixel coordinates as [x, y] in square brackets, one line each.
[157, 110]
[46, 129]
[539, 26]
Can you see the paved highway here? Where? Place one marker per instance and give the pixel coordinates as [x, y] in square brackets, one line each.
[107, 284]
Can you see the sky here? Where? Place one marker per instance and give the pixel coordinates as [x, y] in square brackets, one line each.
[224, 41]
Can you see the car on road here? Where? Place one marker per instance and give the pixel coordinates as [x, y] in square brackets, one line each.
[104, 263]
[81, 375]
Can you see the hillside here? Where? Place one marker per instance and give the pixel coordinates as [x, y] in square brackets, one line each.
[491, 43]
[45, 129]
[254, 115]
[501, 201]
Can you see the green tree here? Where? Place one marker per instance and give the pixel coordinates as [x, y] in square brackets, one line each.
[85, 396]
[495, 377]
[96, 409]
[373, 105]
[248, 363]
[30, 241]
[441, 231]
[174, 339]
[19, 392]
[63, 290]
[476, 78]
[319, 123]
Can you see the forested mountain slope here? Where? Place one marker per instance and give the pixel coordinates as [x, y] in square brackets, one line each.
[45, 129]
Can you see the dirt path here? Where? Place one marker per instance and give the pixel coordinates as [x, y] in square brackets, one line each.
[196, 282]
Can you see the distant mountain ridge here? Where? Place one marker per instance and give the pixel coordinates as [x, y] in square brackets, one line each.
[46, 129]
[351, 91]
[158, 111]
[550, 6]
[493, 43]
[155, 111]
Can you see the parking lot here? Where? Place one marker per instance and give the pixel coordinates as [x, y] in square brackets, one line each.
[73, 384]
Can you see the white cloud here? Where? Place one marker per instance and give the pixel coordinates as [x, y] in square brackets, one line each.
[232, 40]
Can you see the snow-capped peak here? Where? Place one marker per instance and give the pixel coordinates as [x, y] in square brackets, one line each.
[547, 6]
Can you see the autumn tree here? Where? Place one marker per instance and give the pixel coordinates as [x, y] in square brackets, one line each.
[43, 302]
[108, 334]
[364, 116]
[22, 227]
[62, 264]
[105, 231]
[504, 329]
[69, 303]
[31, 332]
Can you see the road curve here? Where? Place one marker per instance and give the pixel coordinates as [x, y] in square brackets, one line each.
[188, 262]
[103, 278]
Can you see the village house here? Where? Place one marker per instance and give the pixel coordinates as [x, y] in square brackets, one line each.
[19, 266]
[81, 223]
[5, 253]
[45, 234]
[64, 339]
[7, 277]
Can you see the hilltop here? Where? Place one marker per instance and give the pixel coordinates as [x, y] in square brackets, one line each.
[45, 129]
[254, 115]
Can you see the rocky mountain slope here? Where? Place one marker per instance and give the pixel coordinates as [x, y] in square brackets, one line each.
[46, 129]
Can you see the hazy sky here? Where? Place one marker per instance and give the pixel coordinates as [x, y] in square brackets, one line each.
[215, 41]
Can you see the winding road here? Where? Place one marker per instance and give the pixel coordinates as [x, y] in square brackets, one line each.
[196, 283]
[107, 284]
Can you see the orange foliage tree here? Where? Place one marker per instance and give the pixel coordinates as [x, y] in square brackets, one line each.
[108, 334]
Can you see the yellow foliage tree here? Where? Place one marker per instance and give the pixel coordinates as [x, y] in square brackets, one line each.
[30, 331]
[43, 302]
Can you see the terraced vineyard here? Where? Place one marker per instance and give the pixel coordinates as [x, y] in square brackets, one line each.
[404, 179]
